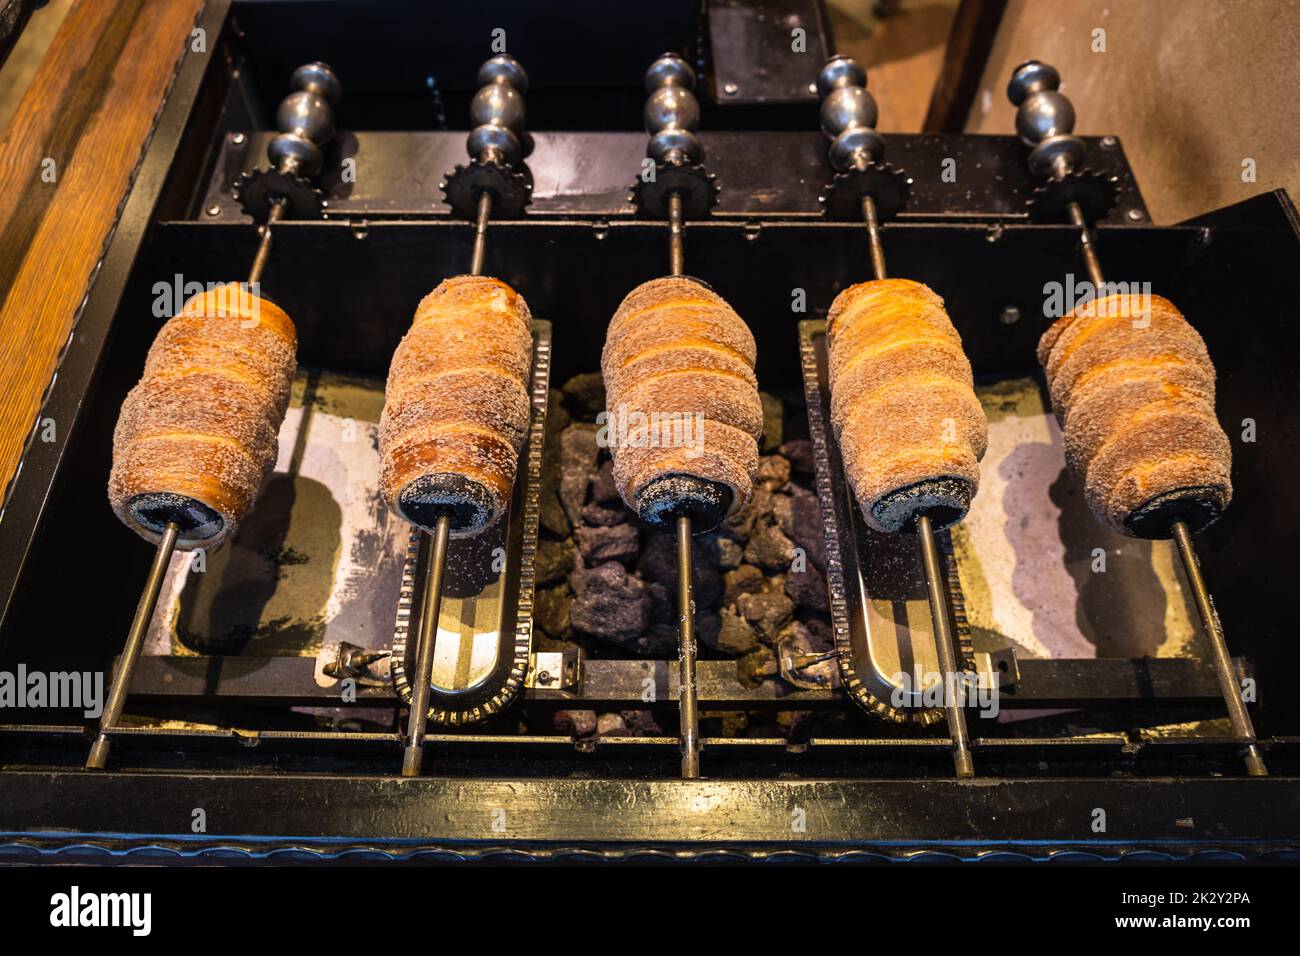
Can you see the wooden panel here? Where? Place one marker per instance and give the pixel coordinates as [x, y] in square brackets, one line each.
[90, 110]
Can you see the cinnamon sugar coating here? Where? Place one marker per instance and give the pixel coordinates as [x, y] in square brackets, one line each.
[456, 401]
[903, 403]
[203, 421]
[1133, 389]
[678, 365]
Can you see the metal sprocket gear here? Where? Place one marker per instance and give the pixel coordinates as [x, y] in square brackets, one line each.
[256, 190]
[1095, 193]
[511, 190]
[841, 199]
[695, 184]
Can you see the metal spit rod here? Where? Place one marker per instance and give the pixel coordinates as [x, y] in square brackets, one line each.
[1229, 683]
[117, 693]
[144, 611]
[687, 691]
[934, 578]
[431, 605]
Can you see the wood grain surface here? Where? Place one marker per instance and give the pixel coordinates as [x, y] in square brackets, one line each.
[67, 162]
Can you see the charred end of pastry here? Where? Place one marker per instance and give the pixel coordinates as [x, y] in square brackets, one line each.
[1199, 507]
[944, 500]
[662, 501]
[468, 503]
[154, 510]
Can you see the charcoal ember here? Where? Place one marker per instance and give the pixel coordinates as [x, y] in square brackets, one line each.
[578, 454]
[599, 516]
[768, 612]
[798, 638]
[773, 424]
[730, 553]
[757, 666]
[799, 516]
[611, 725]
[658, 563]
[554, 561]
[799, 453]
[551, 609]
[773, 471]
[557, 416]
[585, 394]
[807, 588]
[641, 723]
[746, 579]
[576, 723]
[757, 510]
[735, 636]
[603, 489]
[723, 723]
[609, 603]
[618, 543]
[769, 548]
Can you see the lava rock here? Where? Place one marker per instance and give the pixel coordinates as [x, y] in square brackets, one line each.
[807, 588]
[578, 453]
[555, 559]
[551, 513]
[659, 564]
[735, 636]
[618, 543]
[730, 553]
[611, 725]
[557, 416]
[603, 489]
[767, 612]
[769, 548]
[609, 603]
[799, 453]
[746, 579]
[799, 516]
[758, 509]
[757, 666]
[773, 471]
[641, 723]
[599, 516]
[551, 610]
[576, 723]
[585, 394]
[773, 424]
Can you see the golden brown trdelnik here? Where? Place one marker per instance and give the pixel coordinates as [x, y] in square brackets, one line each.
[198, 434]
[910, 428]
[1133, 388]
[676, 352]
[456, 407]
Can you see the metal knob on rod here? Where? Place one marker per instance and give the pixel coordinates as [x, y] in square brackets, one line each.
[1045, 122]
[497, 145]
[676, 186]
[490, 182]
[864, 186]
[305, 120]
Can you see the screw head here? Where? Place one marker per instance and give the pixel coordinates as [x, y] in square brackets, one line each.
[1109, 142]
[1135, 215]
[1010, 315]
[237, 138]
[214, 210]
[731, 89]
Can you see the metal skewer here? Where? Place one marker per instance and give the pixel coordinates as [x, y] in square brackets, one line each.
[496, 143]
[1045, 122]
[306, 122]
[862, 185]
[117, 693]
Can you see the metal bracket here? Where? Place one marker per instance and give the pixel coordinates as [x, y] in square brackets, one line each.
[554, 670]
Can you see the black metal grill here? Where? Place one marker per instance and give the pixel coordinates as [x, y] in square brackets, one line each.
[351, 282]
